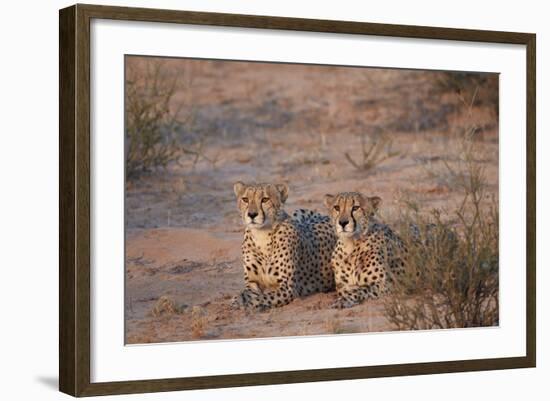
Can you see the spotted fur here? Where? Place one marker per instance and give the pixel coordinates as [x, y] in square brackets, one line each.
[368, 253]
[283, 257]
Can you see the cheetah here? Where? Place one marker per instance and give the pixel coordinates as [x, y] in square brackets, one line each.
[284, 257]
[368, 252]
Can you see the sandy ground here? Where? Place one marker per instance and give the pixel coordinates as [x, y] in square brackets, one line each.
[292, 124]
[179, 264]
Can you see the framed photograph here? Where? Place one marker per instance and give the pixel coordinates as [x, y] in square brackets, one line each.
[250, 200]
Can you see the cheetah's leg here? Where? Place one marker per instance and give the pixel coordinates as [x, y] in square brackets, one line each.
[252, 269]
[258, 299]
[351, 295]
[243, 299]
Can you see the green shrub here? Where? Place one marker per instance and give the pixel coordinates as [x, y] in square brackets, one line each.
[150, 119]
[451, 272]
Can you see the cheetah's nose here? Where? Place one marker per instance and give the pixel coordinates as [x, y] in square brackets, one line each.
[344, 223]
[252, 215]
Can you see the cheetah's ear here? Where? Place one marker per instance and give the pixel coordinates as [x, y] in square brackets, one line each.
[329, 201]
[283, 191]
[374, 202]
[238, 188]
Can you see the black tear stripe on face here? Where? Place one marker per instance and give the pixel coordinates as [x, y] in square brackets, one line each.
[340, 209]
[354, 220]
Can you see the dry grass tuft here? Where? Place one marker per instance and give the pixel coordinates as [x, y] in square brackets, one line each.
[198, 322]
[332, 326]
[374, 150]
[166, 306]
[335, 326]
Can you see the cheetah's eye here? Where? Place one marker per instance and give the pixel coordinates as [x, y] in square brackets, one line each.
[264, 200]
[355, 208]
[245, 200]
[337, 208]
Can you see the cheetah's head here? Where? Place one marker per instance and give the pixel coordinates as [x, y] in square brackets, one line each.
[351, 211]
[260, 204]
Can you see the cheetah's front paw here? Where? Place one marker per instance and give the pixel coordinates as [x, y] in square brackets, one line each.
[243, 300]
[237, 302]
[341, 303]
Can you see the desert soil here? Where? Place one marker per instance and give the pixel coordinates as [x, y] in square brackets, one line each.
[292, 124]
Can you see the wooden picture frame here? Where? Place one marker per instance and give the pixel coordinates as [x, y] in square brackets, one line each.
[74, 203]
